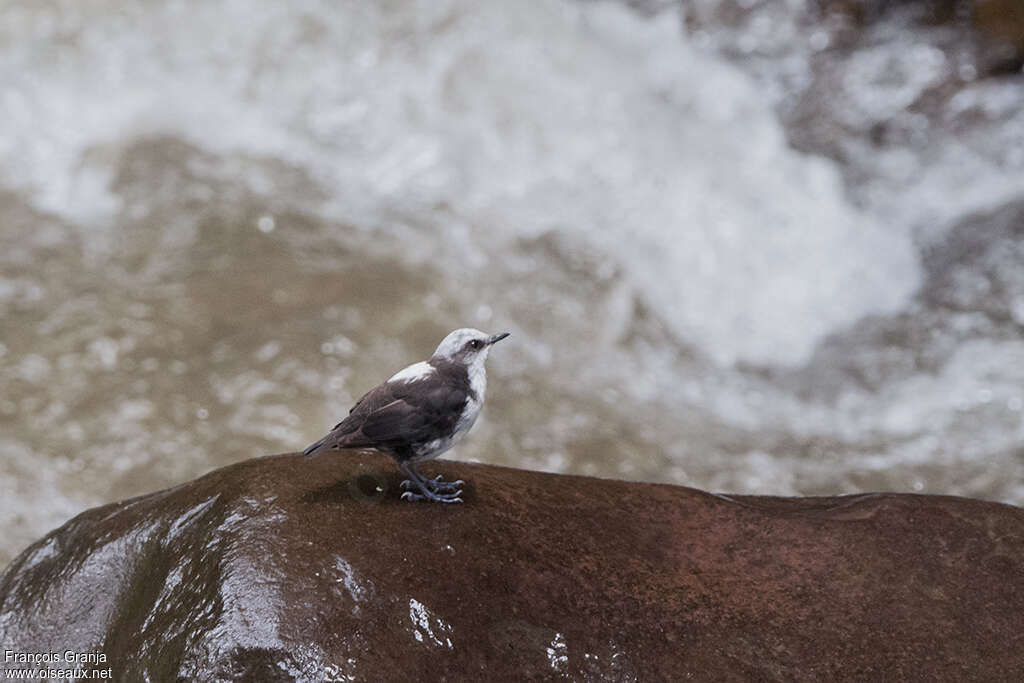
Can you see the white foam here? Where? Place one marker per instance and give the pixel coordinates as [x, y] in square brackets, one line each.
[589, 120]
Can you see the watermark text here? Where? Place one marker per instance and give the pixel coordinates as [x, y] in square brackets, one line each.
[56, 665]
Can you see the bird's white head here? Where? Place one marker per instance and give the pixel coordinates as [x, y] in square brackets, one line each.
[467, 346]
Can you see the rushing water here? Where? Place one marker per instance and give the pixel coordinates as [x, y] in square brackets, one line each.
[763, 250]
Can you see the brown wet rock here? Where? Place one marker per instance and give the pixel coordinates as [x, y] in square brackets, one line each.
[1001, 19]
[998, 24]
[284, 568]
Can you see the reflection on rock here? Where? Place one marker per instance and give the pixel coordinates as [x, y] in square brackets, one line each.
[283, 569]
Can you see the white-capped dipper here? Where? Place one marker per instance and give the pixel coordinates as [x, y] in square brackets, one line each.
[421, 412]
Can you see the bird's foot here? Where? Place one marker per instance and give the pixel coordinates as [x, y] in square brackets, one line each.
[419, 488]
[437, 485]
[427, 494]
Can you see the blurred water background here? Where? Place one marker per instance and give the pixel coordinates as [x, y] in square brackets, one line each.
[756, 246]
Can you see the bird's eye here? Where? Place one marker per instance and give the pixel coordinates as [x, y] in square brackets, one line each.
[475, 344]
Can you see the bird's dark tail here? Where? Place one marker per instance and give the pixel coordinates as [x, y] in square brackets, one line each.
[313, 449]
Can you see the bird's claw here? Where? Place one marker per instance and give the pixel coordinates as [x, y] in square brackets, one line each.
[417, 487]
[436, 484]
[437, 498]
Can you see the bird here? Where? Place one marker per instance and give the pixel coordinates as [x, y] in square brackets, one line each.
[420, 412]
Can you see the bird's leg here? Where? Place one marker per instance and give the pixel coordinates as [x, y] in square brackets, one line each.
[429, 489]
[415, 479]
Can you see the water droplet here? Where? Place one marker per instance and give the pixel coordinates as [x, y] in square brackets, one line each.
[819, 40]
[1017, 310]
[266, 224]
[268, 351]
[34, 368]
[340, 345]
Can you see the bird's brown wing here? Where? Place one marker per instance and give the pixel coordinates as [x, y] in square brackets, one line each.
[418, 415]
[395, 415]
[346, 430]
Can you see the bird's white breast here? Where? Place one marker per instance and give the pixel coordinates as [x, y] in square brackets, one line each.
[469, 415]
[478, 383]
[478, 376]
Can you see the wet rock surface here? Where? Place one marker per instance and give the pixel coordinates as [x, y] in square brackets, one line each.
[283, 568]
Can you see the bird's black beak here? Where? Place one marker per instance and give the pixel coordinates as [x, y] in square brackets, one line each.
[497, 337]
